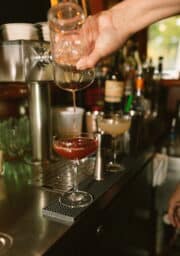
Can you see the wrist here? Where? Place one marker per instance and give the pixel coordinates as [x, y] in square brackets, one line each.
[123, 15]
[132, 15]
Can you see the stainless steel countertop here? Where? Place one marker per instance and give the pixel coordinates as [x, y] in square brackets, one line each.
[21, 217]
[21, 201]
[22, 198]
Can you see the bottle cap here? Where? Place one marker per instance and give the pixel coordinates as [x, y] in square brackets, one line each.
[139, 83]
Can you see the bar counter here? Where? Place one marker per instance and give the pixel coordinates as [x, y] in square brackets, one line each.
[33, 234]
[122, 210]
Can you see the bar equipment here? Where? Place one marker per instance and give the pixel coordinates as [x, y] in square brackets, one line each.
[92, 127]
[99, 163]
[27, 59]
[29, 62]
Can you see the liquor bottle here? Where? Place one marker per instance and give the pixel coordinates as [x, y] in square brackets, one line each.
[138, 102]
[137, 113]
[128, 88]
[178, 117]
[114, 87]
[160, 66]
[158, 91]
[172, 138]
[148, 73]
[94, 95]
[131, 63]
[174, 134]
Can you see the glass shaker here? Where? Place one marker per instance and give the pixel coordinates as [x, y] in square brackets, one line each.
[68, 46]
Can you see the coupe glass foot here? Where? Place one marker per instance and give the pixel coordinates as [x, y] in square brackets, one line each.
[76, 199]
[115, 167]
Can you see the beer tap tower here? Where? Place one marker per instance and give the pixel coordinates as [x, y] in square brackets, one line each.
[29, 62]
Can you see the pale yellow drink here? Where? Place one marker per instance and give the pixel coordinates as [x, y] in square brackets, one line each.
[114, 127]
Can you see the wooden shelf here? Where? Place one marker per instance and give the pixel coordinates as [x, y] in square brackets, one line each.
[10, 91]
[170, 82]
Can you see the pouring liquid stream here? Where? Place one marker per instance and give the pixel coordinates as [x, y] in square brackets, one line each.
[74, 116]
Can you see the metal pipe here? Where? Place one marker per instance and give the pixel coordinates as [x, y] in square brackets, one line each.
[40, 121]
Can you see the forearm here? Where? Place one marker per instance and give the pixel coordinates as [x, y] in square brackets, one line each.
[107, 31]
[138, 14]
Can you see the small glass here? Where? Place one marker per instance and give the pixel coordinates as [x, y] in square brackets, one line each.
[75, 148]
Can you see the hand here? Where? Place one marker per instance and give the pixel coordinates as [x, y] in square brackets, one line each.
[101, 38]
[174, 208]
[107, 31]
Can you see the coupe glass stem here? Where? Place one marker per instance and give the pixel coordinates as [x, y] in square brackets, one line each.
[75, 175]
[113, 165]
[114, 147]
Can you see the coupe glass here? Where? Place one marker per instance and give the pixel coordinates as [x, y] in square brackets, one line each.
[114, 125]
[68, 46]
[75, 148]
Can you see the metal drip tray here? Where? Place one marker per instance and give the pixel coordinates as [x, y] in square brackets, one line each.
[58, 176]
[6, 242]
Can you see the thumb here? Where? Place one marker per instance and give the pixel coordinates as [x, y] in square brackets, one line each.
[88, 61]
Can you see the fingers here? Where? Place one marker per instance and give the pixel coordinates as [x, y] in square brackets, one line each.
[177, 215]
[174, 214]
[88, 61]
[171, 215]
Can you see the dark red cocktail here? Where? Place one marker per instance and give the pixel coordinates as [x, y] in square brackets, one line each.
[75, 148]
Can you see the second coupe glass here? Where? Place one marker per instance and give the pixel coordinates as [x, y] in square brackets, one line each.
[114, 125]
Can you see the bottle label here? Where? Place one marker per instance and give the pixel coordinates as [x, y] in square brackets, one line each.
[113, 91]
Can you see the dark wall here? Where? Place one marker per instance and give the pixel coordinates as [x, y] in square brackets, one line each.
[24, 11]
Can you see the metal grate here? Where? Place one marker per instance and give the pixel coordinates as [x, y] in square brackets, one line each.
[58, 212]
[58, 176]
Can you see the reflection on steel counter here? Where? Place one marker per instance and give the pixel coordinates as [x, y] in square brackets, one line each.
[59, 177]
